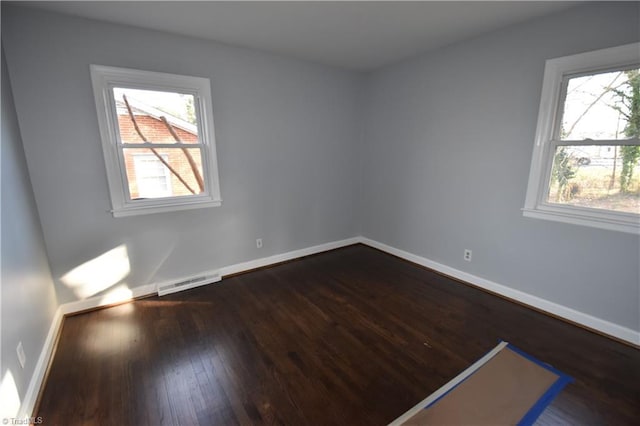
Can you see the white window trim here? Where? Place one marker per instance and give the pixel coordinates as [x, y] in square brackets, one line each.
[551, 99]
[104, 78]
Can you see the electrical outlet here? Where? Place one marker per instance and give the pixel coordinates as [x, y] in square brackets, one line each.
[467, 255]
[259, 243]
[22, 358]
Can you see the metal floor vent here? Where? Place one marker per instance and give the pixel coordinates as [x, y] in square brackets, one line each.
[188, 283]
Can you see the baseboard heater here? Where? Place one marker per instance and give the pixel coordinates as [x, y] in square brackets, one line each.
[186, 284]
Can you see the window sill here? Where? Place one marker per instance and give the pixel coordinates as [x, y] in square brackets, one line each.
[163, 208]
[580, 217]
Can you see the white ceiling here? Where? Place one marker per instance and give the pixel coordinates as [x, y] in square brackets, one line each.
[360, 35]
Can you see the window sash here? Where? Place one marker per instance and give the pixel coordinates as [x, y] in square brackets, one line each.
[163, 200]
[546, 184]
[564, 85]
[197, 100]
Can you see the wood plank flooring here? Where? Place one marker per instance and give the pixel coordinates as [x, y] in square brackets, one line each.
[349, 337]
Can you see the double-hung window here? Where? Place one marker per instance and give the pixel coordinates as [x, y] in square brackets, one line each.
[586, 160]
[158, 140]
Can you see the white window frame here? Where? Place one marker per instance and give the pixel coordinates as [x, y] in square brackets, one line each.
[104, 79]
[547, 139]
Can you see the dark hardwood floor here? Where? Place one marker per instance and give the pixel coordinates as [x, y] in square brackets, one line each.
[348, 337]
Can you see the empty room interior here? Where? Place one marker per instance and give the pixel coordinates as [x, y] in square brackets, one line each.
[320, 212]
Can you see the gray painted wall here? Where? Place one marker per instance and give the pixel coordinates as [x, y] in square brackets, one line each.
[285, 133]
[27, 294]
[449, 137]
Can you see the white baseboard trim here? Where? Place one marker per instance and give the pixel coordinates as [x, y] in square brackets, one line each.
[99, 301]
[271, 260]
[30, 397]
[589, 321]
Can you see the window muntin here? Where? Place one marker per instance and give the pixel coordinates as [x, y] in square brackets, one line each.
[165, 118]
[587, 139]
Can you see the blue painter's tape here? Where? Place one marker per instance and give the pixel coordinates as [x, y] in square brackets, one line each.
[545, 400]
[549, 395]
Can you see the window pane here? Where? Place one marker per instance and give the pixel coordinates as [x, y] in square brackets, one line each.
[599, 106]
[163, 172]
[597, 176]
[149, 108]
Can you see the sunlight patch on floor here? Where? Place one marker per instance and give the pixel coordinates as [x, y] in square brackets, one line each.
[111, 337]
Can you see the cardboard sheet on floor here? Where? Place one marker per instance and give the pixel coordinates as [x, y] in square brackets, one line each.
[505, 387]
